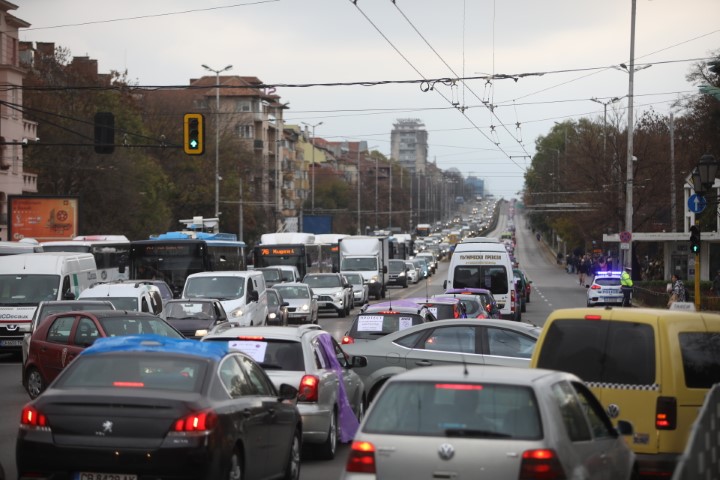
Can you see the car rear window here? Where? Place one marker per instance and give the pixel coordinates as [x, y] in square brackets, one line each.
[601, 351]
[701, 358]
[121, 326]
[160, 372]
[456, 410]
[271, 354]
[607, 281]
[490, 277]
[442, 311]
[373, 325]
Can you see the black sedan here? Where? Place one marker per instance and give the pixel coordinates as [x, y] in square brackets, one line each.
[141, 407]
[194, 317]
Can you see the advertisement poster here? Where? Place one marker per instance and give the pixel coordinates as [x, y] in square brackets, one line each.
[43, 218]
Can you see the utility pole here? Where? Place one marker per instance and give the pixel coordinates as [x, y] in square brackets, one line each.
[627, 259]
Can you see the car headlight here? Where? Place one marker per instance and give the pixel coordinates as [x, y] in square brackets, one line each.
[401, 274]
[338, 295]
[374, 279]
[237, 313]
[305, 307]
[272, 316]
[201, 333]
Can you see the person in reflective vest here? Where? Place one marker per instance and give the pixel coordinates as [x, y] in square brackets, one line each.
[626, 285]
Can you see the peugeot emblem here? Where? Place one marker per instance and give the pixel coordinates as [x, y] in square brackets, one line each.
[107, 426]
[446, 451]
[613, 410]
[11, 327]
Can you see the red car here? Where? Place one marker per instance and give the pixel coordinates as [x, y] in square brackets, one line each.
[62, 336]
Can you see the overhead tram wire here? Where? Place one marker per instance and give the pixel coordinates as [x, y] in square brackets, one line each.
[465, 85]
[438, 92]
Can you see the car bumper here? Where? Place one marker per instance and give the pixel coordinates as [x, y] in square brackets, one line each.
[605, 299]
[294, 318]
[315, 422]
[337, 306]
[658, 465]
[36, 453]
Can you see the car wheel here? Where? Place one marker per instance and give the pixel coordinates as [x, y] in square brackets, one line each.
[527, 300]
[292, 469]
[234, 471]
[341, 313]
[35, 383]
[523, 308]
[405, 285]
[329, 446]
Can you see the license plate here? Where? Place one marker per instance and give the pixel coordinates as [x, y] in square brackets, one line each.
[10, 343]
[104, 476]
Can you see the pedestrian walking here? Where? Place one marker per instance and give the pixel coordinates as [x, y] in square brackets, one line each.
[677, 292]
[626, 286]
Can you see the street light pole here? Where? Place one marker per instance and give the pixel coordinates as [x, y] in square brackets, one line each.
[217, 134]
[312, 180]
[627, 259]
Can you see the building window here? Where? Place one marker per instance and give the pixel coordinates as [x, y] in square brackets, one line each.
[244, 106]
[245, 131]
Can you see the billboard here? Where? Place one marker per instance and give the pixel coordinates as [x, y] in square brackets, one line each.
[318, 224]
[42, 218]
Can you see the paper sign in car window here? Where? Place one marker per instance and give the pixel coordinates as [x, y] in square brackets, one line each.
[254, 348]
[192, 307]
[434, 311]
[370, 323]
[405, 322]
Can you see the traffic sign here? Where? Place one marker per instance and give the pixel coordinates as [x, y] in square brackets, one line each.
[625, 237]
[696, 203]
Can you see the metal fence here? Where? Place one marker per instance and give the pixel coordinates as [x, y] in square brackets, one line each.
[701, 459]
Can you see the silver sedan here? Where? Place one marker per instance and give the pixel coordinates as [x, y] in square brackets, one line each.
[473, 421]
[302, 302]
[486, 342]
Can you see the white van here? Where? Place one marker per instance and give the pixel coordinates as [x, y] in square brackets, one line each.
[128, 295]
[27, 279]
[242, 294]
[483, 262]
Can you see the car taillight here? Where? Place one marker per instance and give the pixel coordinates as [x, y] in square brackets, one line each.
[361, 458]
[308, 391]
[33, 418]
[512, 300]
[347, 339]
[666, 413]
[595, 287]
[542, 464]
[198, 422]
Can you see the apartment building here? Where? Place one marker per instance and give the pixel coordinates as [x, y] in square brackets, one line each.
[408, 144]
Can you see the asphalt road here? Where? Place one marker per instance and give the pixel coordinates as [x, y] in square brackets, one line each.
[552, 288]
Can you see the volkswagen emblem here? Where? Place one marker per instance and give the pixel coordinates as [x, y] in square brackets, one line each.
[613, 410]
[446, 451]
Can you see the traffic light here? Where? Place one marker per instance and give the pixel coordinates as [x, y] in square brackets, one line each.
[695, 239]
[194, 133]
[104, 132]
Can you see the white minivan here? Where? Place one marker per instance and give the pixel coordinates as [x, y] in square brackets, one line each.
[242, 294]
[483, 262]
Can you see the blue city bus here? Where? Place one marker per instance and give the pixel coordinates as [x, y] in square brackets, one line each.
[173, 256]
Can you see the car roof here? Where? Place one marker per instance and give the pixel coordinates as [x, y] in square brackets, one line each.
[479, 373]
[636, 315]
[83, 301]
[290, 284]
[108, 289]
[192, 300]
[290, 332]
[157, 343]
[403, 304]
[100, 314]
[452, 291]
[226, 273]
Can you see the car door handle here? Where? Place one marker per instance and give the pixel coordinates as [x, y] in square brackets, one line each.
[423, 363]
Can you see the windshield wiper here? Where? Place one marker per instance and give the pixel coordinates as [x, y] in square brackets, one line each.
[469, 432]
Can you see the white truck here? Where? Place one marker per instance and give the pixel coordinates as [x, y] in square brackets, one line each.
[368, 256]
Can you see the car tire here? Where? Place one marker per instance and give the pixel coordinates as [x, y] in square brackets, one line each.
[527, 300]
[523, 307]
[405, 285]
[341, 313]
[35, 382]
[292, 468]
[234, 468]
[328, 448]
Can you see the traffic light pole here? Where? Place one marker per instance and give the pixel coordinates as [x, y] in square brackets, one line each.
[697, 269]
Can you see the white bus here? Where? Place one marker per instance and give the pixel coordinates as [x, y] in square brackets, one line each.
[111, 252]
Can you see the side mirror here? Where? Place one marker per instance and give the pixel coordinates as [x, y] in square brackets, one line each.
[358, 362]
[254, 296]
[285, 304]
[624, 427]
[384, 269]
[445, 284]
[68, 295]
[287, 392]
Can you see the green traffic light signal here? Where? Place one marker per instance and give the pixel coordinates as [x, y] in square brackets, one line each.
[695, 239]
[194, 134]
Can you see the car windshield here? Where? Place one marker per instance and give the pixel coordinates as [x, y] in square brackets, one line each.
[322, 281]
[220, 287]
[137, 371]
[292, 292]
[396, 267]
[373, 325]
[126, 325]
[363, 264]
[287, 276]
[272, 299]
[188, 311]
[354, 278]
[270, 353]
[434, 408]
[20, 289]
[272, 275]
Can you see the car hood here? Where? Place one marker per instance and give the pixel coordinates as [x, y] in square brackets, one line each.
[327, 291]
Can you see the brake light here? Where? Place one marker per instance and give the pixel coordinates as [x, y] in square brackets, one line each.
[361, 458]
[666, 413]
[129, 384]
[198, 422]
[347, 340]
[308, 391]
[595, 287]
[542, 464]
[457, 386]
[512, 300]
[32, 417]
[593, 317]
[456, 313]
[251, 337]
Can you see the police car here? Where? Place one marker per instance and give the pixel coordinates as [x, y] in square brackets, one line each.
[605, 289]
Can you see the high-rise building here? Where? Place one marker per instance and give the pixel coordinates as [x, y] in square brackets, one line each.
[408, 144]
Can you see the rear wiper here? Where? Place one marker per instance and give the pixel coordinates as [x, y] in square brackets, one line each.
[468, 432]
[271, 366]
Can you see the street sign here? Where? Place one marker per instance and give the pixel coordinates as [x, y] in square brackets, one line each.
[696, 203]
[625, 237]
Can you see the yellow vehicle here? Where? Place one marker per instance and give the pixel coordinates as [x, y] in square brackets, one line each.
[652, 367]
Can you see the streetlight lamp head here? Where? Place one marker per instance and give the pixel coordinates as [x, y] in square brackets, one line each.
[205, 66]
[227, 68]
[707, 168]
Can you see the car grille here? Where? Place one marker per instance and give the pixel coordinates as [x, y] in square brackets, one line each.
[325, 298]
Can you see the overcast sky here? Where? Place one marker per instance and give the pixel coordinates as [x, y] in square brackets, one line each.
[573, 42]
